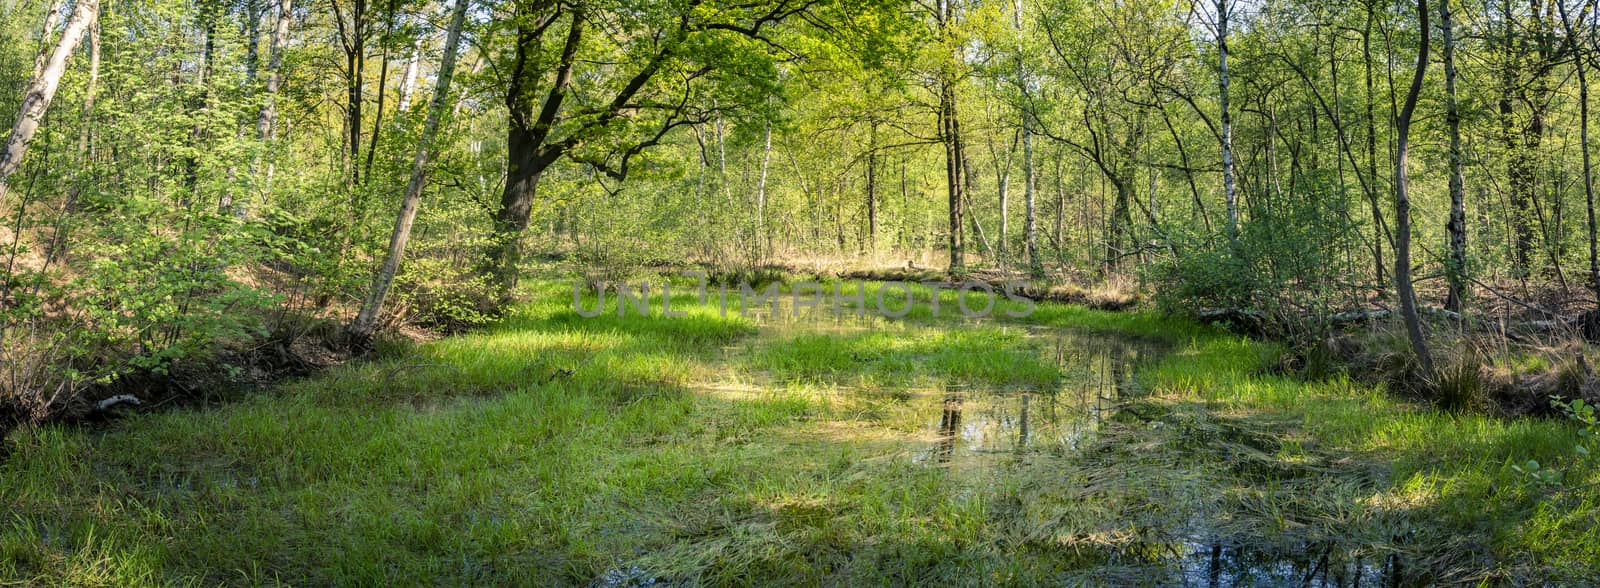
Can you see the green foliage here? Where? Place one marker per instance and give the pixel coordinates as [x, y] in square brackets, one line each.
[1206, 278]
[1584, 416]
[1290, 260]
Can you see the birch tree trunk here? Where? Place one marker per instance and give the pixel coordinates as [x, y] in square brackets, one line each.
[1030, 238]
[85, 135]
[51, 19]
[265, 130]
[872, 188]
[1456, 265]
[36, 100]
[1583, 134]
[1003, 188]
[761, 191]
[1379, 230]
[367, 319]
[1230, 197]
[1030, 230]
[408, 82]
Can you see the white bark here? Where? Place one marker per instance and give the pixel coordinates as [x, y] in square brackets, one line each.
[408, 83]
[367, 320]
[51, 19]
[36, 100]
[280, 38]
[266, 129]
[1229, 195]
[114, 401]
[1005, 207]
[1030, 233]
[85, 135]
[761, 188]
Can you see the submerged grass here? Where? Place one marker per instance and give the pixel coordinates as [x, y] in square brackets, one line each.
[712, 449]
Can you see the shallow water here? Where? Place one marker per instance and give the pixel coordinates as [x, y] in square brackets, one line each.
[976, 428]
[981, 435]
[1310, 565]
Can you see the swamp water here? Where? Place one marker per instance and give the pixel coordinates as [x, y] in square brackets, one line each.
[985, 437]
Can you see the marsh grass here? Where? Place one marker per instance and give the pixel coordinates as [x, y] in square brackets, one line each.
[740, 450]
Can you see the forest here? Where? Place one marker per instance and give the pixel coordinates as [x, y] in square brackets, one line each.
[599, 292]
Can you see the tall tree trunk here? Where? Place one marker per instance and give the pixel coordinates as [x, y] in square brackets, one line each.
[41, 90]
[383, 86]
[1583, 134]
[1231, 198]
[1402, 202]
[354, 43]
[1058, 232]
[1519, 172]
[1030, 191]
[722, 158]
[761, 191]
[266, 120]
[950, 135]
[526, 156]
[526, 164]
[904, 237]
[1030, 236]
[86, 134]
[367, 319]
[1541, 15]
[1379, 232]
[1120, 224]
[872, 187]
[1003, 188]
[408, 80]
[252, 33]
[1456, 265]
[51, 19]
[201, 104]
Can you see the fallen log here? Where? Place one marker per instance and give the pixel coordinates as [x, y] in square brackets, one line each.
[114, 401]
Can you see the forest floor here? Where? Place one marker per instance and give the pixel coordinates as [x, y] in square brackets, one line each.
[1071, 446]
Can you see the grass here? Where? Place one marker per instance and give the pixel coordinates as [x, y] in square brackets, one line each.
[712, 449]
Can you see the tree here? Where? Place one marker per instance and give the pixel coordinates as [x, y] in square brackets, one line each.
[353, 35]
[947, 77]
[266, 120]
[669, 53]
[40, 91]
[1223, 9]
[1583, 141]
[1402, 202]
[1456, 265]
[366, 320]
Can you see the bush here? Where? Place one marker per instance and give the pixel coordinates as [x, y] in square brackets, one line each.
[1292, 251]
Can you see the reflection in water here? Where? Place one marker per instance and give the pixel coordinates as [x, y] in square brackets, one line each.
[1022, 427]
[949, 424]
[976, 434]
[979, 431]
[976, 427]
[1314, 565]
